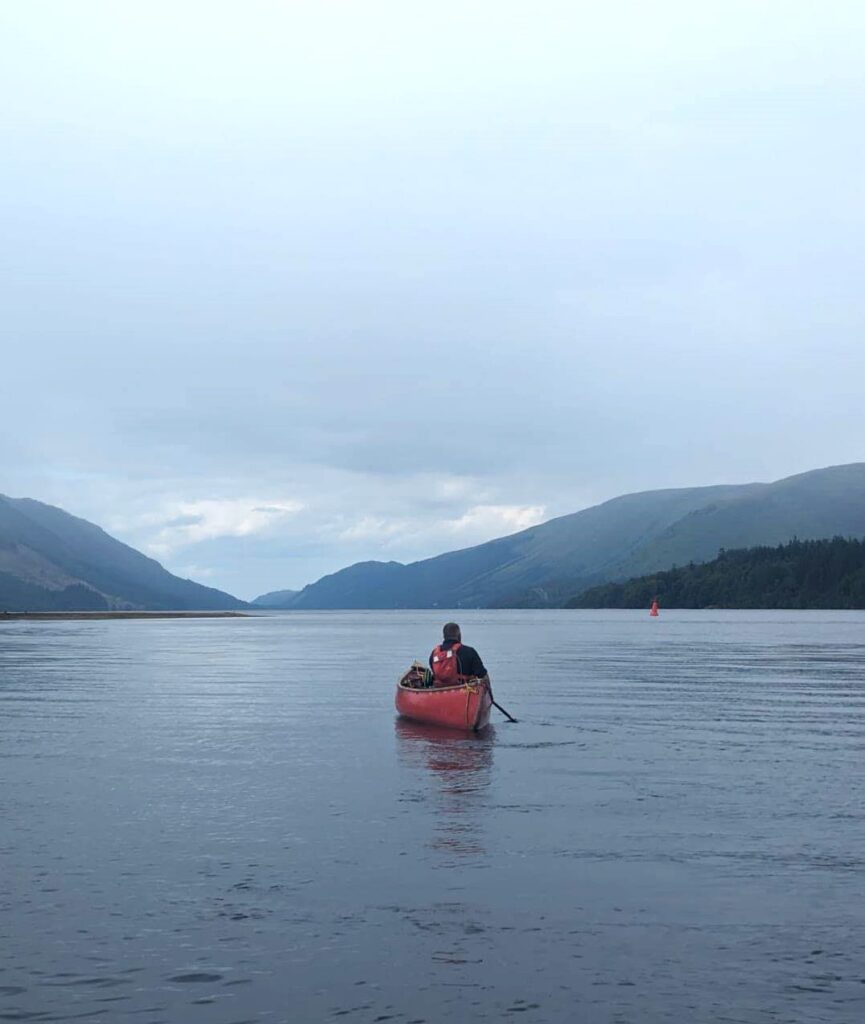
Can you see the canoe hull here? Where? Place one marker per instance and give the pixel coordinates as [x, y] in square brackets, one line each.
[465, 707]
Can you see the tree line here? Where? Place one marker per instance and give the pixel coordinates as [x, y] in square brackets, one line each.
[799, 574]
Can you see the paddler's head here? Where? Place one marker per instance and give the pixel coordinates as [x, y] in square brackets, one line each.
[451, 632]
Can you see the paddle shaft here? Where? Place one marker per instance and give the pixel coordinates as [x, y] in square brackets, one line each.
[510, 718]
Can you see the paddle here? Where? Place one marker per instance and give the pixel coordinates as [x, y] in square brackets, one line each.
[510, 718]
[495, 704]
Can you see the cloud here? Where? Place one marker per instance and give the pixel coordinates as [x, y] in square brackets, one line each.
[192, 522]
[497, 519]
[477, 524]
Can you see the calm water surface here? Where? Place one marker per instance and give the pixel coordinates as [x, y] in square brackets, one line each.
[221, 821]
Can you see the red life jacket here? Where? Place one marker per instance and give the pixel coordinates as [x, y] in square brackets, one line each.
[446, 666]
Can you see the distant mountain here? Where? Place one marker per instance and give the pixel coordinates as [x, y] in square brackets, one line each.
[52, 561]
[276, 599]
[801, 574]
[624, 537]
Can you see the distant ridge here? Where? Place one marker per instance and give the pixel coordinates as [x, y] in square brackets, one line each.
[629, 536]
[276, 599]
[53, 561]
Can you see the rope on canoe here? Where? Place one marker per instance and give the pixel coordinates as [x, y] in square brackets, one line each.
[472, 686]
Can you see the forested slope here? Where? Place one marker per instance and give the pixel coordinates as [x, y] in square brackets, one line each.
[801, 574]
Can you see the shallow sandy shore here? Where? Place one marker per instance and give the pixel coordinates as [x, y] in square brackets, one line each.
[55, 616]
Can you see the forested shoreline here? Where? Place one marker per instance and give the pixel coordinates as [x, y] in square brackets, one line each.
[799, 574]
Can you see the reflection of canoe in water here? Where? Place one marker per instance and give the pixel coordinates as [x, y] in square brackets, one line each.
[463, 707]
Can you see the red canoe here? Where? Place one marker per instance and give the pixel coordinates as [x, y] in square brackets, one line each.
[466, 706]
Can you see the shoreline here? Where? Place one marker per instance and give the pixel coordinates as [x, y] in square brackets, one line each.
[61, 616]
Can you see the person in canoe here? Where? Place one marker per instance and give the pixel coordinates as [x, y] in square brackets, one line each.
[452, 662]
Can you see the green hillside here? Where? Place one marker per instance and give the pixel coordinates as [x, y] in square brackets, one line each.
[53, 561]
[530, 567]
[627, 536]
[801, 574]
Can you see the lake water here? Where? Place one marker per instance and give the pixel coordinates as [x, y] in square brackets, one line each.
[221, 821]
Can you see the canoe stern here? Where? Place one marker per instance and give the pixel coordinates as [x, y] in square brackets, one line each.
[466, 706]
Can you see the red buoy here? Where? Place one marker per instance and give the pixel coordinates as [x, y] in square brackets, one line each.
[654, 610]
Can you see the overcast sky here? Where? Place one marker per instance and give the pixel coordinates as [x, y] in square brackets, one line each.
[290, 285]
